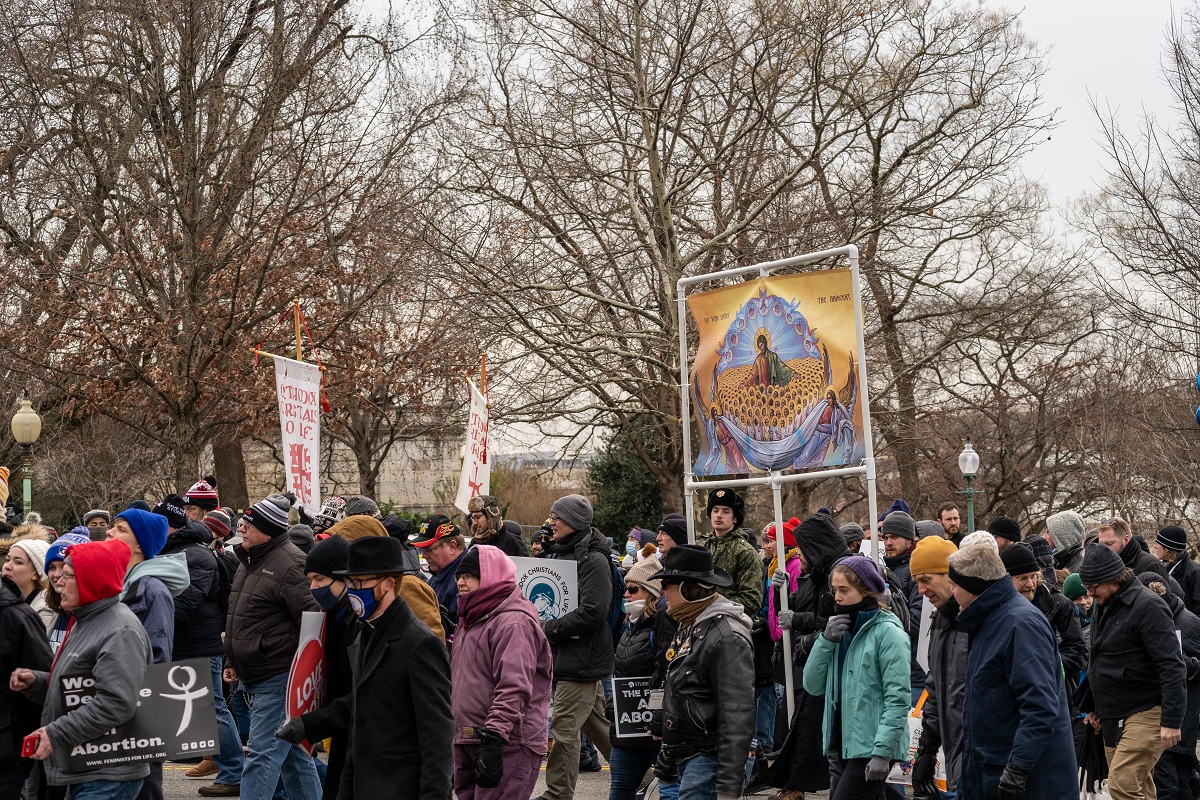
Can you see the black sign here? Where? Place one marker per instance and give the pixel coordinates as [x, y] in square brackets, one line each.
[631, 706]
[175, 717]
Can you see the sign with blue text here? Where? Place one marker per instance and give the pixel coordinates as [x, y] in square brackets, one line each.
[551, 584]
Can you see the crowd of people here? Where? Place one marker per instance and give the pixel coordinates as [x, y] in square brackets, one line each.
[1039, 653]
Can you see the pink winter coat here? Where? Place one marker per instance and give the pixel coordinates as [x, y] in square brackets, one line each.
[501, 667]
[792, 568]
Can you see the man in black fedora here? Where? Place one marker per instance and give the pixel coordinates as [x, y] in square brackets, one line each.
[401, 683]
[708, 712]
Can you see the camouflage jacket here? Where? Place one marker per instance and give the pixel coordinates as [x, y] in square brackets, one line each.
[734, 554]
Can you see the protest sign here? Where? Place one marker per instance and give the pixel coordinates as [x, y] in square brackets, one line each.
[769, 392]
[551, 584]
[901, 773]
[306, 679]
[298, 385]
[175, 717]
[631, 709]
[476, 476]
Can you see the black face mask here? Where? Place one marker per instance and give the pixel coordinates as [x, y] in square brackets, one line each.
[868, 603]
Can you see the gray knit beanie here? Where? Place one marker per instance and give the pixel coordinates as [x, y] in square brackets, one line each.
[574, 510]
[1066, 529]
[1100, 565]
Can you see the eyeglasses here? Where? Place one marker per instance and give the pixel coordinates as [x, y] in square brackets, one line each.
[554, 518]
[361, 583]
[1091, 587]
[632, 589]
[66, 576]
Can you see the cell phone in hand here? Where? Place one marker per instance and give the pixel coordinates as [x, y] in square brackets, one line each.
[29, 745]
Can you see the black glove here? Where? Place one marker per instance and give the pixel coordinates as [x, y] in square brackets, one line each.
[923, 770]
[1193, 667]
[489, 764]
[1012, 783]
[292, 731]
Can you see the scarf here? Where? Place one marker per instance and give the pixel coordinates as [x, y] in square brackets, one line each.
[788, 555]
[688, 610]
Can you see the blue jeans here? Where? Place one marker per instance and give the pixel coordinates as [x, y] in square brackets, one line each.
[271, 759]
[106, 790]
[626, 769]
[229, 758]
[698, 778]
[767, 705]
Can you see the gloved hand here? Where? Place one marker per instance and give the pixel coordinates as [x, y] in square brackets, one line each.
[785, 619]
[292, 731]
[1193, 667]
[836, 627]
[489, 763]
[923, 770]
[779, 578]
[878, 768]
[1012, 783]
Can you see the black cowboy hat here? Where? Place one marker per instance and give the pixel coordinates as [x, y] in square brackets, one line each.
[691, 563]
[374, 555]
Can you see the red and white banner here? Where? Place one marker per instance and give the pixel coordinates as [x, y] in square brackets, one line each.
[476, 476]
[298, 385]
[306, 680]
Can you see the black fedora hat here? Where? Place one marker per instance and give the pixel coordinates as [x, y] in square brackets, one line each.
[691, 563]
[374, 555]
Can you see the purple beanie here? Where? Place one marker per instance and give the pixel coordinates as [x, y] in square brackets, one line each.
[867, 572]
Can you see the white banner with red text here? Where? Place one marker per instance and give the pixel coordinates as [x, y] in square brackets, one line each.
[298, 385]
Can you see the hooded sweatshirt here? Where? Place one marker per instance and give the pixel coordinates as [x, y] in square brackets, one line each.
[149, 591]
[500, 663]
[106, 640]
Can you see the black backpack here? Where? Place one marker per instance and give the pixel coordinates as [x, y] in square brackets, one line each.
[226, 567]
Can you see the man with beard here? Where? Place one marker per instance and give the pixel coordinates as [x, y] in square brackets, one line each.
[1116, 535]
[899, 533]
[489, 527]
[1027, 579]
[951, 521]
[946, 682]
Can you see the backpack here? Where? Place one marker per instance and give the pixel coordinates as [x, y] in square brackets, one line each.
[224, 582]
[616, 611]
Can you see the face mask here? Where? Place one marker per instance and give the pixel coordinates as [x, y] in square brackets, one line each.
[634, 608]
[362, 602]
[631, 548]
[325, 598]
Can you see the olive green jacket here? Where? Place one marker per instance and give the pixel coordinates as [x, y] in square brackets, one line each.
[734, 554]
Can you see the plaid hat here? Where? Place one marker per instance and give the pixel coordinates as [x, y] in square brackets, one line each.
[218, 522]
[172, 508]
[270, 515]
[333, 511]
[435, 527]
[203, 493]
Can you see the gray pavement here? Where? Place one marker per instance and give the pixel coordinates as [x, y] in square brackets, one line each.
[591, 786]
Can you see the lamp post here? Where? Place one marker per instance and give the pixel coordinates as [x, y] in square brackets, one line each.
[26, 428]
[968, 465]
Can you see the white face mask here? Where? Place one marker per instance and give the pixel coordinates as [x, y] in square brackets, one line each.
[634, 608]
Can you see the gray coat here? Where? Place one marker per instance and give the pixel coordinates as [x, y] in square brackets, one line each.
[108, 641]
[946, 683]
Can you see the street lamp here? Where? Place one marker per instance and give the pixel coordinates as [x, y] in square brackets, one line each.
[968, 465]
[26, 428]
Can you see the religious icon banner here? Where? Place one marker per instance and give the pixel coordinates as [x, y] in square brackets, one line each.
[775, 380]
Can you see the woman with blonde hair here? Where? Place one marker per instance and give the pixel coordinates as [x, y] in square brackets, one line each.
[861, 664]
[25, 565]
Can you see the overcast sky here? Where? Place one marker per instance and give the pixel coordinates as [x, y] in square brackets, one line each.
[1108, 49]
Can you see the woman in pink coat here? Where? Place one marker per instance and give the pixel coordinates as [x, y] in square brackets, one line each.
[501, 670]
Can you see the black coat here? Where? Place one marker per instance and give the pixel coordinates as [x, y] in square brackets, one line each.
[1188, 625]
[1140, 561]
[1135, 661]
[333, 720]
[638, 651]
[1064, 621]
[22, 644]
[401, 729]
[581, 641]
[912, 598]
[198, 617]
[1187, 574]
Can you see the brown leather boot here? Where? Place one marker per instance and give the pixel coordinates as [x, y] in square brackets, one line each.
[205, 769]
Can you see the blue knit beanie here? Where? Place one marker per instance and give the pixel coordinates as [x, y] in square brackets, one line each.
[149, 529]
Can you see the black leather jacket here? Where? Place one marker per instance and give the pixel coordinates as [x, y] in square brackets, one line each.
[708, 705]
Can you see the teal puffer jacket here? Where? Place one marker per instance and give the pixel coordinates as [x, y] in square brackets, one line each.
[874, 687]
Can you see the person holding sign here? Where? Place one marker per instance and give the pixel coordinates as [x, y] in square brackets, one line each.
[501, 674]
[107, 642]
[707, 718]
[637, 656]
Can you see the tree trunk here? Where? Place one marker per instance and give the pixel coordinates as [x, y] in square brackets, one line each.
[230, 469]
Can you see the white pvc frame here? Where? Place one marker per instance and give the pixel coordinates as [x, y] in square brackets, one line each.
[776, 479]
